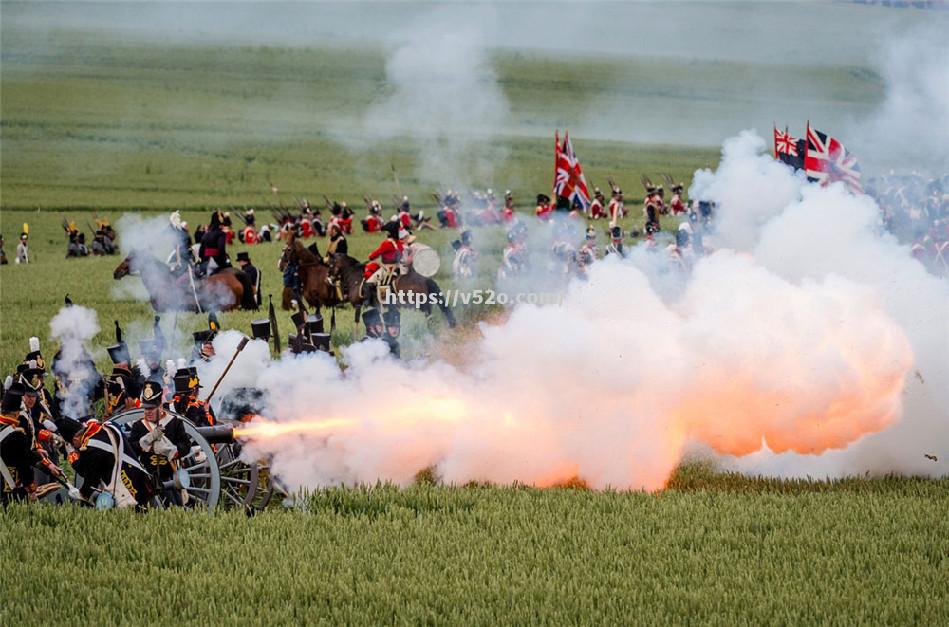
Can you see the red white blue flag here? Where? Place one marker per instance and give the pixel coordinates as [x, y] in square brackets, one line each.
[569, 181]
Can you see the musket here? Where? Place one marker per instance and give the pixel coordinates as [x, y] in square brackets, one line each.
[237, 352]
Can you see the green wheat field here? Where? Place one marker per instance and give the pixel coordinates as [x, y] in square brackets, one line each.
[99, 127]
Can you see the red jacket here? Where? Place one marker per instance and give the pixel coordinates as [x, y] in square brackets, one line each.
[389, 251]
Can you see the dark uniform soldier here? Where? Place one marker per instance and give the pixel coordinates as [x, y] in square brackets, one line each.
[373, 321]
[158, 439]
[393, 320]
[243, 259]
[101, 455]
[19, 451]
[185, 402]
[213, 245]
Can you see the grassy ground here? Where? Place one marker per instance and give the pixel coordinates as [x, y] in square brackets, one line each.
[711, 549]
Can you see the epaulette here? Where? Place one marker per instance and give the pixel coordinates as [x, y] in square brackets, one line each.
[92, 427]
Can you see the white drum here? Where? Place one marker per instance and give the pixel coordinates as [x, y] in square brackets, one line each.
[425, 260]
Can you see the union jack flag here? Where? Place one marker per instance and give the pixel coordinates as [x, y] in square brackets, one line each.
[569, 181]
[784, 144]
[788, 149]
[827, 161]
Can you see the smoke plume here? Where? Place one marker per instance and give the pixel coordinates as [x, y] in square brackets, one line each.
[73, 366]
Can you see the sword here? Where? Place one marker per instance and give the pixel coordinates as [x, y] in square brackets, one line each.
[194, 290]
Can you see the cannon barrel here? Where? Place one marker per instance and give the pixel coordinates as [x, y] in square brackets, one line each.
[218, 434]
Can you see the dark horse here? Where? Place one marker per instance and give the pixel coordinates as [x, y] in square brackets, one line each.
[412, 288]
[227, 289]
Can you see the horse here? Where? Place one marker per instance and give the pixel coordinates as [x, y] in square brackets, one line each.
[411, 289]
[225, 290]
[314, 276]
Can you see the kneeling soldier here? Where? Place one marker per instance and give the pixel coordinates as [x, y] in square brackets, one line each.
[19, 451]
[93, 449]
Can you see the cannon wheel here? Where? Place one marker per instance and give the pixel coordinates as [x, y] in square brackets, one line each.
[240, 482]
[201, 463]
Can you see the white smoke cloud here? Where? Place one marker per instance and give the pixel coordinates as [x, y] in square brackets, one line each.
[791, 351]
[72, 327]
[911, 126]
[442, 94]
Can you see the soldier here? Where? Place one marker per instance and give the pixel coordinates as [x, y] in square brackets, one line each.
[158, 440]
[597, 206]
[393, 321]
[3, 253]
[507, 215]
[448, 214]
[588, 251]
[243, 260]
[389, 253]
[675, 203]
[405, 215]
[544, 209]
[337, 243]
[466, 257]
[616, 242]
[185, 401]
[23, 249]
[651, 215]
[19, 451]
[617, 208]
[248, 234]
[213, 246]
[373, 321]
[514, 258]
[373, 222]
[101, 455]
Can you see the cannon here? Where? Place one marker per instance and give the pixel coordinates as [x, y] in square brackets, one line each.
[213, 473]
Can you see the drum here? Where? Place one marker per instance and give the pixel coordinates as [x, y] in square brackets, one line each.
[425, 260]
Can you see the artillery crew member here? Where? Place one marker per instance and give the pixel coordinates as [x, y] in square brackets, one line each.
[19, 451]
[93, 449]
[158, 439]
[373, 321]
[393, 323]
[185, 401]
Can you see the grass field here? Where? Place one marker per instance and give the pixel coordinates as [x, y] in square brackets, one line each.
[719, 549]
[95, 126]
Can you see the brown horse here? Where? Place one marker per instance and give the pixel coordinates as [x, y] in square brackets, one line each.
[409, 288]
[227, 289]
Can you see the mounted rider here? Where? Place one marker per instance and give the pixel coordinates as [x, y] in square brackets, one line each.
[213, 246]
[379, 274]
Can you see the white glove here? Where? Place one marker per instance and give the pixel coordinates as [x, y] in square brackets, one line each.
[74, 493]
[166, 448]
[49, 425]
[150, 438]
